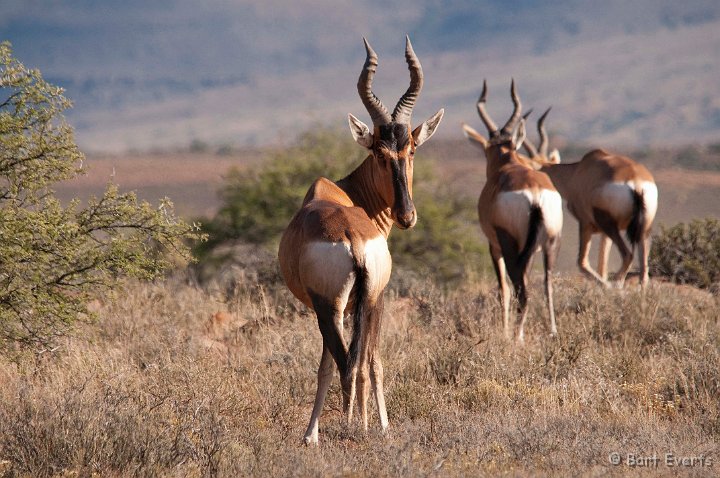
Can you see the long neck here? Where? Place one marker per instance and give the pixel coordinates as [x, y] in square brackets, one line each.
[561, 175]
[498, 157]
[359, 186]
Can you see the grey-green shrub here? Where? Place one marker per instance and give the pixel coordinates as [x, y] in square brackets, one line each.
[688, 253]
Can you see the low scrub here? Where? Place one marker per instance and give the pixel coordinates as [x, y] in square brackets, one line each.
[688, 253]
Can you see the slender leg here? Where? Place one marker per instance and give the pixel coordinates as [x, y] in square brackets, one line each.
[363, 385]
[603, 256]
[609, 227]
[519, 280]
[376, 378]
[330, 322]
[586, 233]
[368, 352]
[627, 257]
[376, 368]
[550, 250]
[521, 291]
[500, 271]
[325, 374]
[644, 252]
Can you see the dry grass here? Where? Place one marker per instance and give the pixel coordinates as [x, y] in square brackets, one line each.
[164, 386]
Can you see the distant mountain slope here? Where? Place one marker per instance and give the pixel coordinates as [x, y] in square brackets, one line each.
[162, 73]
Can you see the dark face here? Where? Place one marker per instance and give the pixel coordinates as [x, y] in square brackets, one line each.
[394, 150]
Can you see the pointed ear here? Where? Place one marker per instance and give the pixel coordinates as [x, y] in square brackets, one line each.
[518, 136]
[554, 157]
[361, 133]
[474, 137]
[423, 132]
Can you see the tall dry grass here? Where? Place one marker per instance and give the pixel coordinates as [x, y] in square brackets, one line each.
[164, 385]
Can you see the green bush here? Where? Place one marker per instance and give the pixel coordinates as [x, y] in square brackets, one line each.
[257, 205]
[688, 253]
[54, 258]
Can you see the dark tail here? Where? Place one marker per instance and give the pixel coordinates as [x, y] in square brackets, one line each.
[517, 260]
[359, 310]
[636, 228]
[536, 218]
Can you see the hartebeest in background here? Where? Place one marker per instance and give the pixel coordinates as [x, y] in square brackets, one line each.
[520, 211]
[334, 254]
[607, 193]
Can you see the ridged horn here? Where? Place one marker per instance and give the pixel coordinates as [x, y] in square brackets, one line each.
[403, 109]
[484, 116]
[373, 105]
[529, 147]
[507, 129]
[543, 134]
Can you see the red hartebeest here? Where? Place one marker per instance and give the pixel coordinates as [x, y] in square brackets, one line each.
[607, 193]
[334, 254]
[520, 212]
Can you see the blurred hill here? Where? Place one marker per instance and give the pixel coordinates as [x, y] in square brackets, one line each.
[154, 75]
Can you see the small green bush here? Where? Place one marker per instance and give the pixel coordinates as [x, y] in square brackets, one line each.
[257, 206]
[688, 253]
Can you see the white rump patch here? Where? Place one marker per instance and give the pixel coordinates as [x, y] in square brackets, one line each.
[650, 197]
[513, 212]
[327, 269]
[551, 205]
[378, 264]
[617, 199]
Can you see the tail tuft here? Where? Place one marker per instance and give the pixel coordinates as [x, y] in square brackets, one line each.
[536, 218]
[359, 312]
[636, 228]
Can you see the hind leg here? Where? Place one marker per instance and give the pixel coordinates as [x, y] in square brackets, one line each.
[627, 256]
[609, 226]
[330, 322]
[519, 280]
[367, 352]
[550, 251]
[644, 251]
[325, 374]
[503, 288]
[522, 295]
[603, 255]
[376, 368]
[586, 233]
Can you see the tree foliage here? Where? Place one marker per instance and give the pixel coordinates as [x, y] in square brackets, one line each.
[257, 205]
[54, 258]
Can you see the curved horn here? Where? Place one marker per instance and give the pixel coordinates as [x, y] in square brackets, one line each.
[484, 116]
[373, 105]
[404, 107]
[529, 147]
[543, 134]
[516, 112]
